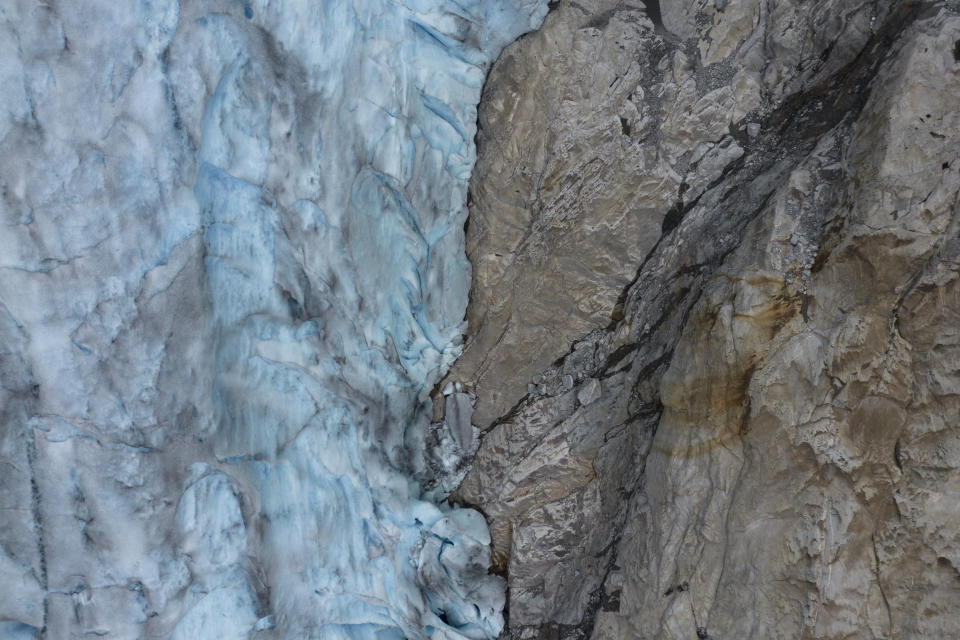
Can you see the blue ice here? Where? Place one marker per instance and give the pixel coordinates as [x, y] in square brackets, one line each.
[333, 159]
[232, 269]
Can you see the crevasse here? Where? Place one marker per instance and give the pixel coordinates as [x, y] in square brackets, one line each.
[304, 165]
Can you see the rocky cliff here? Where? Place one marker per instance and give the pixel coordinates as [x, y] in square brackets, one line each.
[715, 320]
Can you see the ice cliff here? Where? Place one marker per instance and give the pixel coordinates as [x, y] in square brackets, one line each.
[231, 271]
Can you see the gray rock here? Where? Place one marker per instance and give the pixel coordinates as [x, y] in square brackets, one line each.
[458, 413]
[589, 391]
[774, 451]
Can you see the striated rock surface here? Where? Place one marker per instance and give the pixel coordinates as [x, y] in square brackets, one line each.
[714, 324]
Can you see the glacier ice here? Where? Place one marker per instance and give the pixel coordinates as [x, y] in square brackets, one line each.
[231, 271]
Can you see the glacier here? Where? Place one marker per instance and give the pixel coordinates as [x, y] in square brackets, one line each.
[232, 270]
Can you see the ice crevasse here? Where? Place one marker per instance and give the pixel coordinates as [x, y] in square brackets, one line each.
[231, 271]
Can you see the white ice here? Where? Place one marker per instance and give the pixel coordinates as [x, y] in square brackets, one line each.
[231, 270]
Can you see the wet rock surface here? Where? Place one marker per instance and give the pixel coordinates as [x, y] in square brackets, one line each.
[749, 429]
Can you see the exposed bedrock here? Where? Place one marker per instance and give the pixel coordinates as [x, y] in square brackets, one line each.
[714, 330]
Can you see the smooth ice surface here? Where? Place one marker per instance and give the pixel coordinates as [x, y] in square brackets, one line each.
[231, 270]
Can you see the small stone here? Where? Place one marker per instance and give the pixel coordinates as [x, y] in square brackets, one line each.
[265, 624]
[589, 392]
[459, 411]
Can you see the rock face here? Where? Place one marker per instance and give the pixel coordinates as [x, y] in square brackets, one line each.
[714, 325]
